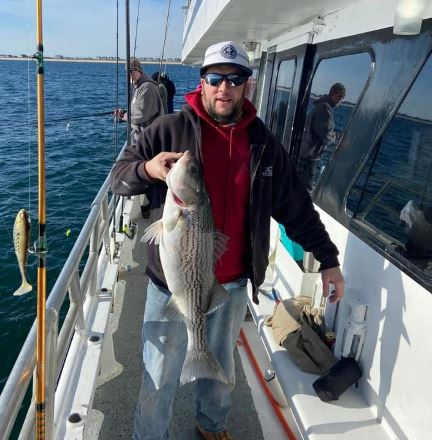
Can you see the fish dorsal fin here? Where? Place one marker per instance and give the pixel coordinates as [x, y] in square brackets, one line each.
[153, 233]
[221, 244]
[172, 312]
[218, 295]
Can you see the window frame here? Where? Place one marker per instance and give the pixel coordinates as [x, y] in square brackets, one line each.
[370, 233]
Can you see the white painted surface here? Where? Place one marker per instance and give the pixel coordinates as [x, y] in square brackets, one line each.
[349, 418]
[285, 23]
[91, 363]
[397, 354]
[393, 398]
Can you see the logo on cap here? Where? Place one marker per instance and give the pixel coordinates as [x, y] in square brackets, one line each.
[228, 51]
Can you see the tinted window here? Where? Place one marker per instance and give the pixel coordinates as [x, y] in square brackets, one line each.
[394, 191]
[284, 82]
[252, 89]
[336, 87]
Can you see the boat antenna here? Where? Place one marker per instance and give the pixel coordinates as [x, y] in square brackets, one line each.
[164, 41]
[40, 247]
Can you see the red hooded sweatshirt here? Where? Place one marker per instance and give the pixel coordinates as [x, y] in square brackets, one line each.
[226, 164]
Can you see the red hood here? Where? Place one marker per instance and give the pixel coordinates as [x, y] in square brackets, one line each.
[195, 101]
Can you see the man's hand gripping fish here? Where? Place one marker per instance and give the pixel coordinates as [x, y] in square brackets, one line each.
[189, 247]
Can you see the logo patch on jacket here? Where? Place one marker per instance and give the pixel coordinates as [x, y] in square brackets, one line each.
[268, 172]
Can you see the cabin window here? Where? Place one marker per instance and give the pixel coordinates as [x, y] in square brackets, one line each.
[393, 194]
[282, 94]
[336, 87]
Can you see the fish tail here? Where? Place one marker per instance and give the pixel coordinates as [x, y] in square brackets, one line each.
[25, 287]
[198, 365]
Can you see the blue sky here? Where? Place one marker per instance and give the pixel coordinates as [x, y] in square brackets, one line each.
[88, 27]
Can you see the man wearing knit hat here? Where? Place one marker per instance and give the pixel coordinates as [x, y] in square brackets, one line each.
[249, 178]
[319, 133]
[146, 103]
[146, 106]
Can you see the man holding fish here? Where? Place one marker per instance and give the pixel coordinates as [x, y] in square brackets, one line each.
[218, 176]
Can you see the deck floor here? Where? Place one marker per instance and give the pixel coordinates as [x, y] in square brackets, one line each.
[117, 398]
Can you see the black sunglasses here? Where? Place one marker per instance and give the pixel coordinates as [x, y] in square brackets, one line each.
[233, 80]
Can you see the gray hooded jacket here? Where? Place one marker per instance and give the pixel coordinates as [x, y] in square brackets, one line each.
[146, 105]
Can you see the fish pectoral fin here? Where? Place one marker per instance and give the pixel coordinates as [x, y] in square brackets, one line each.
[218, 296]
[24, 288]
[172, 312]
[170, 221]
[153, 233]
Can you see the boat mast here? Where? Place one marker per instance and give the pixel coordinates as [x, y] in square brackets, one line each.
[41, 242]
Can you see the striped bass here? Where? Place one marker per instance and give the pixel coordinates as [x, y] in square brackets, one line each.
[21, 239]
[189, 247]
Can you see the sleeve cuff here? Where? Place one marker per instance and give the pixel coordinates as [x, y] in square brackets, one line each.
[329, 262]
[142, 173]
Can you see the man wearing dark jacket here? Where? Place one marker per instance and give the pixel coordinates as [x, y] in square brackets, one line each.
[249, 179]
[319, 133]
[169, 87]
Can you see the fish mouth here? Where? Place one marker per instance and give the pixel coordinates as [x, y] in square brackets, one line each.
[178, 200]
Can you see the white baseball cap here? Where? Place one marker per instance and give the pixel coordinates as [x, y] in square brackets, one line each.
[227, 52]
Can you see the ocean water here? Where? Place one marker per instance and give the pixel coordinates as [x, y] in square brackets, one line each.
[79, 153]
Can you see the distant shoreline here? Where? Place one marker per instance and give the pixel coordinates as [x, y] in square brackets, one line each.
[84, 60]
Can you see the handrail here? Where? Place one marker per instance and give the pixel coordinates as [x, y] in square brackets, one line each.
[94, 231]
[375, 201]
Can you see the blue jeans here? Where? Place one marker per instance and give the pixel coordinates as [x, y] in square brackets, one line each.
[164, 352]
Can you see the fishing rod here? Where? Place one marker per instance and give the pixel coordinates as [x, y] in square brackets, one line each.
[40, 248]
[128, 86]
[90, 115]
[116, 121]
[164, 41]
[72, 118]
[136, 27]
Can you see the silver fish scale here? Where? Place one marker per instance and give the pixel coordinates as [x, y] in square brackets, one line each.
[197, 245]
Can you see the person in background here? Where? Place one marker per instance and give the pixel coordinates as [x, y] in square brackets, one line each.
[146, 106]
[319, 133]
[170, 88]
[162, 90]
[249, 178]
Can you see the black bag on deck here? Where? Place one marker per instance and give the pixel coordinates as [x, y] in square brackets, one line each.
[337, 380]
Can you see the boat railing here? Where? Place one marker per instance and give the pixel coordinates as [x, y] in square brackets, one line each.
[388, 183]
[93, 236]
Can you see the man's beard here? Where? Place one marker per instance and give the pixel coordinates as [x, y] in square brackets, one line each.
[230, 118]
